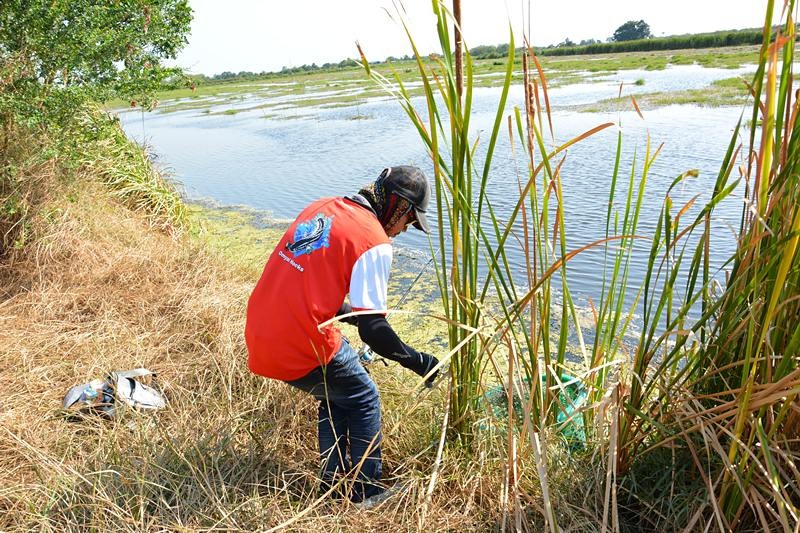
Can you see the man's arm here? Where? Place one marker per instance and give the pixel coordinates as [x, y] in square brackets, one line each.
[379, 335]
[368, 290]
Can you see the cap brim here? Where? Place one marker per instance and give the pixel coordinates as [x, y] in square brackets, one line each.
[421, 222]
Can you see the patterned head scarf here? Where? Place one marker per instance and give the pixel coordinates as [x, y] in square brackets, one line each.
[389, 207]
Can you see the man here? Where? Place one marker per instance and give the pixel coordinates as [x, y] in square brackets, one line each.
[338, 247]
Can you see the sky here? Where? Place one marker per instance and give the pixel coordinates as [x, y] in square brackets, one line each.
[266, 35]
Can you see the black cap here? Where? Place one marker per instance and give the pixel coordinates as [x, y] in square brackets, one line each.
[410, 183]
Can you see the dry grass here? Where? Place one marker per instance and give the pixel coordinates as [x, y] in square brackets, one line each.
[97, 288]
[88, 285]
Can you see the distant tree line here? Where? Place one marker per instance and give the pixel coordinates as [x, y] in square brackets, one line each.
[246, 75]
[591, 46]
[489, 51]
[675, 42]
[617, 43]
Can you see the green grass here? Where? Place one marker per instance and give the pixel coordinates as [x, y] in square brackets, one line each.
[732, 57]
[126, 168]
[726, 92]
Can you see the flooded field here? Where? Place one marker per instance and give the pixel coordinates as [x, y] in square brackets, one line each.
[267, 150]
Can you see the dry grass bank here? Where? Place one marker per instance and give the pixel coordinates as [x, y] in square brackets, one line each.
[96, 287]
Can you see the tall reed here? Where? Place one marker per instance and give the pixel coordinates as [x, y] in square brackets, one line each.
[713, 370]
[756, 335]
[472, 269]
[722, 385]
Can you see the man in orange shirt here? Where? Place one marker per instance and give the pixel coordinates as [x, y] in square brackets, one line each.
[339, 247]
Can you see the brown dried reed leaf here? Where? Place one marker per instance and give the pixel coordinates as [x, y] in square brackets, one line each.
[636, 107]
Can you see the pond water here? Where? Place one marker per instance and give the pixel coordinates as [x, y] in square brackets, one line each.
[278, 165]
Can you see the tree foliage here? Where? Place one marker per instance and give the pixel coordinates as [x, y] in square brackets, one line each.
[489, 51]
[632, 30]
[71, 49]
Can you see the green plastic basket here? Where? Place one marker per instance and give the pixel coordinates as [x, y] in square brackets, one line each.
[571, 398]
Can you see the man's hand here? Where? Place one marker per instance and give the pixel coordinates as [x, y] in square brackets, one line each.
[346, 309]
[428, 363]
[418, 362]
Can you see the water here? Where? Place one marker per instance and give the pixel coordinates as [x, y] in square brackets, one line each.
[280, 165]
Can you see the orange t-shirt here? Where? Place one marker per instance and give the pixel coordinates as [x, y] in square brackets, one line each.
[335, 247]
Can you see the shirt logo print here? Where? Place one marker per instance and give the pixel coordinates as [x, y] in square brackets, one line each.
[311, 235]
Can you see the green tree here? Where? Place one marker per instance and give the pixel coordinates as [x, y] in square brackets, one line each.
[93, 48]
[631, 30]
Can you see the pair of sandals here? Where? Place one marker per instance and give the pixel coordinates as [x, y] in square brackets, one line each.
[102, 396]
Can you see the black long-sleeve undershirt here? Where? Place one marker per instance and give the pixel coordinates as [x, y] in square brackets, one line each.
[379, 335]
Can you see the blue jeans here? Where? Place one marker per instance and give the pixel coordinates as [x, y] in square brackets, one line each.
[349, 417]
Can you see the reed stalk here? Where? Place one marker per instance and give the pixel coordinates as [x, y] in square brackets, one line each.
[459, 214]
